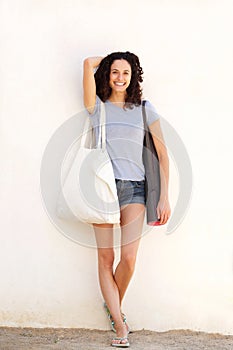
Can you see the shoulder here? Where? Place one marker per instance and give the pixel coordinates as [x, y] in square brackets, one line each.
[151, 112]
[149, 105]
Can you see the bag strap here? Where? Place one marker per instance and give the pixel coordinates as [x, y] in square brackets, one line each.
[144, 115]
[102, 129]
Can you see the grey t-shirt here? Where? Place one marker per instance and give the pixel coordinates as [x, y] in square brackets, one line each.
[124, 137]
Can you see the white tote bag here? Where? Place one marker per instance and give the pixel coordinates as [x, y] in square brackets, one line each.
[89, 188]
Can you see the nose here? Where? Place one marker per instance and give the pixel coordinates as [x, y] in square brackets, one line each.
[120, 76]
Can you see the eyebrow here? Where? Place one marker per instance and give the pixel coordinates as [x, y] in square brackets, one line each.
[125, 70]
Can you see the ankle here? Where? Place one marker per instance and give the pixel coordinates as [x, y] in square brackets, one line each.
[121, 329]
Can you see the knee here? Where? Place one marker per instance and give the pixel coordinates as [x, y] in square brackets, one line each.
[129, 261]
[106, 259]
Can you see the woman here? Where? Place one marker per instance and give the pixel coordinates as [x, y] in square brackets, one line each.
[115, 80]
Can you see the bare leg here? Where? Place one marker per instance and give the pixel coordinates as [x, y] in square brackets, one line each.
[132, 217]
[110, 292]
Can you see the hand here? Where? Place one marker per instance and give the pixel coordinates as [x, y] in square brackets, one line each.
[93, 61]
[163, 210]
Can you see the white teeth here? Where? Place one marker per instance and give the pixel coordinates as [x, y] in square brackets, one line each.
[120, 84]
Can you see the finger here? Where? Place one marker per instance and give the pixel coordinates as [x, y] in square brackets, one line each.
[162, 218]
[158, 213]
[165, 218]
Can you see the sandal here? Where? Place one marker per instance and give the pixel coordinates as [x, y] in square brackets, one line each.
[112, 321]
[125, 322]
[121, 344]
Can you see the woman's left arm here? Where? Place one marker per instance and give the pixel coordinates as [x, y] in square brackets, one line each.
[163, 208]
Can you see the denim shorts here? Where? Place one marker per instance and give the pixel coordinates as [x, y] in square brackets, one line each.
[130, 191]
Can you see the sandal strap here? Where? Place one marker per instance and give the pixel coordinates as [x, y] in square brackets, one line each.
[110, 317]
[108, 313]
[118, 338]
[112, 321]
[124, 317]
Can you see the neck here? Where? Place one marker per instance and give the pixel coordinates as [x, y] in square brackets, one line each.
[117, 97]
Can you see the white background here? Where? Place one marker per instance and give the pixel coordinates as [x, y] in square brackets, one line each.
[182, 280]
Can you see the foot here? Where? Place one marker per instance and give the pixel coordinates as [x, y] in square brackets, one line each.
[112, 323]
[121, 340]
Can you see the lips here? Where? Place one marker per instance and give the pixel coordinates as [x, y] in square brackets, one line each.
[119, 84]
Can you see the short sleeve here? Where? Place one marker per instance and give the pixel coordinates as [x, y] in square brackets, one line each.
[151, 113]
[95, 117]
[97, 108]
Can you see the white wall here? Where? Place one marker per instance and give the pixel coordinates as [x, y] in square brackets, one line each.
[182, 280]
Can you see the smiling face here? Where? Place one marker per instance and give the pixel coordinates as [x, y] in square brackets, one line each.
[120, 75]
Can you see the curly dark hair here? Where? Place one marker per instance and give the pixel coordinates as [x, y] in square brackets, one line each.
[134, 90]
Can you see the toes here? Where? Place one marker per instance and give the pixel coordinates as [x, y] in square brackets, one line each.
[120, 341]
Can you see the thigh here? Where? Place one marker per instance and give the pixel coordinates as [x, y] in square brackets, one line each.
[132, 218]
[104, 235]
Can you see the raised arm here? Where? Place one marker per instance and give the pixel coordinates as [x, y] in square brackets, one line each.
[89, 87]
